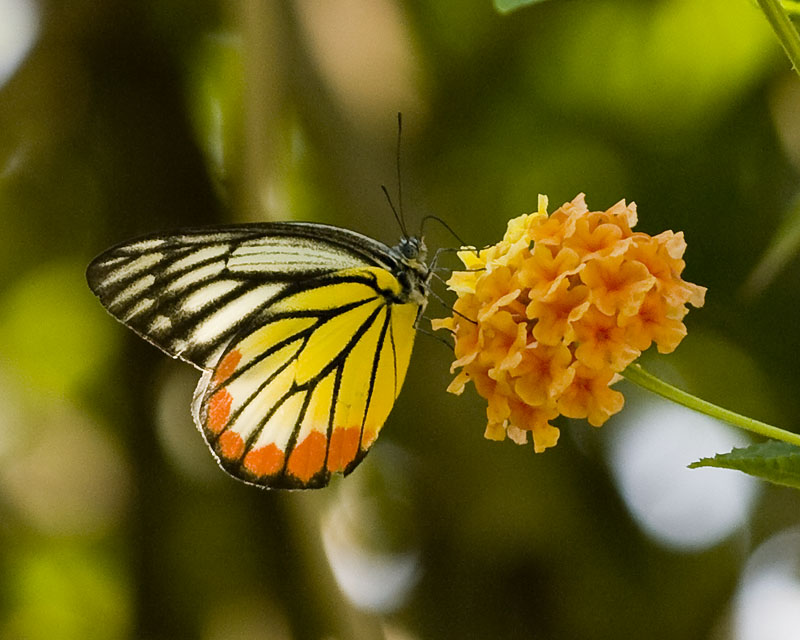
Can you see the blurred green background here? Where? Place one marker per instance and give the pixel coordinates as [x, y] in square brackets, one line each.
[125, 117]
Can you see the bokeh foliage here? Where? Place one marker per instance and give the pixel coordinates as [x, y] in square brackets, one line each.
[128, 117]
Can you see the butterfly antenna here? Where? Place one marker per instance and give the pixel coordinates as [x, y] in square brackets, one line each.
[450, 345]
[444, 224]
[398, 211]
[399, 177]
[394, 211]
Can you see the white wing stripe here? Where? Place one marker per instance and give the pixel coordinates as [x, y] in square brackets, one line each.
[272, 256]
[196, 275]
[141, 305]
[133, 290]
[225, 317]
[201, 255]
[144, 245]
[160, 324]
[134, 267]
[204, 296]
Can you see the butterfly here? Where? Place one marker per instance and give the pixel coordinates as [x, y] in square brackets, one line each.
[303, 333]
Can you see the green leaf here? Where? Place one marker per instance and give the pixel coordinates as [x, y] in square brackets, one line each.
[507, 6]
[776, 462]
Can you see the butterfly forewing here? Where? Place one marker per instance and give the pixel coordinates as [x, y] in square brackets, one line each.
[299, 397]
[189, 293]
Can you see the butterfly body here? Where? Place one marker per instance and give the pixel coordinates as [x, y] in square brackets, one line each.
[303, 333]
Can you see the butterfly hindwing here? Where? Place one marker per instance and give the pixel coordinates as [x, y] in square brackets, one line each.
[306, 390]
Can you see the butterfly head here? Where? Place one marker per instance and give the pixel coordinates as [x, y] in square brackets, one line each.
[411, 253]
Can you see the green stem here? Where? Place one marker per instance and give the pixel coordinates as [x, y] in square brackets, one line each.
[782, 26]
[648, 381]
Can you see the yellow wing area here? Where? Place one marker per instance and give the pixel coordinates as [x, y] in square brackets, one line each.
[306, 392]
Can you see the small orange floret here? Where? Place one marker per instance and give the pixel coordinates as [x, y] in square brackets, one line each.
[547, 318]
[543, 374]
[602, 343]
[555, 316]
[590, 397]
[617, 285]
[545, 271]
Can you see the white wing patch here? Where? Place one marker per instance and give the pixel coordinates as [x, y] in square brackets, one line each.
[272, 255]
[133, 290]
[195, 276]
[201, 255]
[130, 269]
[207, 295]
[222, 318]
[142, 305]
[159, 325]
[145, 245]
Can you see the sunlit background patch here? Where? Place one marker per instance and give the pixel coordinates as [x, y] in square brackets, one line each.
[679, 507]
[19, 29]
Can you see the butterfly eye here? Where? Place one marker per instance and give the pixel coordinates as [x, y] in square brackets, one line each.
[409, 248]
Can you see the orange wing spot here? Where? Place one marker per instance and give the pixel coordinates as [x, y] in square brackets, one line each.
[368, 438]
[308, 456]
[219, 408]
[264, 461]
[230, 445]
[227, 366]
[343, 448]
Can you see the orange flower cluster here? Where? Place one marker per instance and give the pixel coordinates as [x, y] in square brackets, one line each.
[547, 318]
